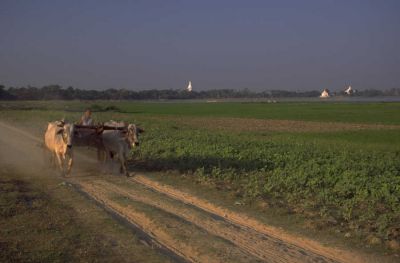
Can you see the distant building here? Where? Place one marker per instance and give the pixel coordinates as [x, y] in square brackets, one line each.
[325, 94]
[349, 91]
[189, 87]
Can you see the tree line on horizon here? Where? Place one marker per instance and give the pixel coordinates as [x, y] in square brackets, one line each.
[56, 92]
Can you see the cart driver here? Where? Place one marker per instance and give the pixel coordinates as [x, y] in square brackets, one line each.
[86, 118]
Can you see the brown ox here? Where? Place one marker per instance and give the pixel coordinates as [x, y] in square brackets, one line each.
[58, 139]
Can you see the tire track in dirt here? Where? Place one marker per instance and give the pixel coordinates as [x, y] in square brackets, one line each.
[102, 192]
[138, 219]
[143, 236]
[243, 221]
[255, 243]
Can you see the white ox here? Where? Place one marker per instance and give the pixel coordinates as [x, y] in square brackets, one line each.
[120, 142]
[58, 140]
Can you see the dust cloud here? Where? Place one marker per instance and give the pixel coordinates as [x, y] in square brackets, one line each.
[25, 153]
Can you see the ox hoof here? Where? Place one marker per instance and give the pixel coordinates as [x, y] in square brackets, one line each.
[130, 174]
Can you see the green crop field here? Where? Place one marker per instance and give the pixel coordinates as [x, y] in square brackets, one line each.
[333, 161]
[341, 112]
[384, 113]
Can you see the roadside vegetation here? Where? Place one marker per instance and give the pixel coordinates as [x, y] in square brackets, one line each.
[349, 179]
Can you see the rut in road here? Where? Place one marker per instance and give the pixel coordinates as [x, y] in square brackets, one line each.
[176, 234]
[259, 245]
[240, 220]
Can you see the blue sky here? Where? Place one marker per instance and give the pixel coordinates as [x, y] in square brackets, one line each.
[260, 45]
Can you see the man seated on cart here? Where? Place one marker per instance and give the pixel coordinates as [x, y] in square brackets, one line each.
[90, 135]
[86, 119]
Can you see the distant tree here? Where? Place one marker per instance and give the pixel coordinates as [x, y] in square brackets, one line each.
[4, 95]
[370, 93]
[56, 92]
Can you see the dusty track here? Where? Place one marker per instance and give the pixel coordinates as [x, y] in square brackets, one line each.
[298, 244]
[192, 228]
[255, 243]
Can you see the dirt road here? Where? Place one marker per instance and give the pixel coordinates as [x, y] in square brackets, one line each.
[190, 228]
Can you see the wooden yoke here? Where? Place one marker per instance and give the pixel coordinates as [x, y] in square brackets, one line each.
[99, 128]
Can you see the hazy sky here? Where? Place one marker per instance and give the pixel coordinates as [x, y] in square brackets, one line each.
[260, 45]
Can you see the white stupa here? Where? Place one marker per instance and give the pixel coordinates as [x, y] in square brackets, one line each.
[325, 94]
[349, 91]
[189, 87]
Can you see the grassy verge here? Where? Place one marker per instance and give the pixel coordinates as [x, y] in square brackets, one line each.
[45, 220]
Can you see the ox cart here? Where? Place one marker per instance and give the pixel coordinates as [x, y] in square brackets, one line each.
[101, 127]
[110, 139]
[90, 135]
[107, 142]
